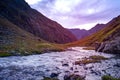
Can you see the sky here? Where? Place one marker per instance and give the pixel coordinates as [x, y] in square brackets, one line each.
[83, 14]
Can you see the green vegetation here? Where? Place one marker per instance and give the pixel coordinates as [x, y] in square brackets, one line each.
[47, 78]
[91, 59]
[89, 48]
[99, 36]
[4, 54]
[106, 77]
[21, 42]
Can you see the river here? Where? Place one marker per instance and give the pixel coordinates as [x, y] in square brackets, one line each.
[35, 67]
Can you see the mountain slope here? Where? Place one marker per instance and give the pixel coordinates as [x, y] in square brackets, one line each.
[96, 28]
[104, 39]
[16, 41]
[79, 33]
[84, 33]
[21, 14]
[111, 43]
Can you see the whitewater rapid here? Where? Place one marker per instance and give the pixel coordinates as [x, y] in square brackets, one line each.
[35, 67]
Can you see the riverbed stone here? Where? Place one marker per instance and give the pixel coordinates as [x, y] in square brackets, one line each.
[54, 75]
[73, 77]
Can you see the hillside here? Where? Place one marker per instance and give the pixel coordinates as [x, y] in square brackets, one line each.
[79, 33]
[109, 35]
[82, 33]
[15, 41]
[22, 15]
[96, 28]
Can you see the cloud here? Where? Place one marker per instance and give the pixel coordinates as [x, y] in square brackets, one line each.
[72, 13]
[32, 1]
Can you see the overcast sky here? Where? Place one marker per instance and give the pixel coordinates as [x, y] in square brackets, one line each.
[82, 14]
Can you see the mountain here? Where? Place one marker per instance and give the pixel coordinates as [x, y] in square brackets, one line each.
[79, 33]
[111, 40]
[24, 30]
[16, 41]
[82, 33]
[106, 40]
[22, 15]
[97, 28]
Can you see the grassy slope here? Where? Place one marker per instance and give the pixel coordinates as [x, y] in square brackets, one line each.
[99, 36]
[21, 41]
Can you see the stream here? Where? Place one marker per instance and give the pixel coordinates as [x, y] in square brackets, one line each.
[58, 64]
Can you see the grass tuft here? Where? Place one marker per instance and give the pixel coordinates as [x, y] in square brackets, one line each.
[106, 77]
[91, 59]
[4, 54]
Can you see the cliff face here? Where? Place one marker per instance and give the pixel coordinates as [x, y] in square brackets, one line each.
[111, 43]
[21, 14]
[106, 40]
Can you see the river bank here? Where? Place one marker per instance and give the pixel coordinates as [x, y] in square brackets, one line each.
[58, 65]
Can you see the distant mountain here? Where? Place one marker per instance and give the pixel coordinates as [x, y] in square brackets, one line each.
[79, 33]
[19, 13]
[106, 40]
[82, 33]
[97, 28]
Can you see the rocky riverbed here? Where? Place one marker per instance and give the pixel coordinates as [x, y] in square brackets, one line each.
[58, 65]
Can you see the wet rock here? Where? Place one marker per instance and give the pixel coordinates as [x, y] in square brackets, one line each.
[57, 67]
[47, 70]
[95, 72]
[86, 68]
[76, 71]
[38, 73]
[97, 45]
[1, 68]
[65, 64]
[16, 68]
[73, 77]
[117, 65]
[54, 75]
[112, 46]
[100, 47]
[48, 78]
[71, 68]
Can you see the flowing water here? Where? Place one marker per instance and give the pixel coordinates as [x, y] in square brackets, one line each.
[35, 67]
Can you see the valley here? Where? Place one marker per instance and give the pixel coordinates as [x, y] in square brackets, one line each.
[35, 47]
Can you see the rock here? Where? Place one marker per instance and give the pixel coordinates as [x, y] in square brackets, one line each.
[47, 78]
[110, 47]
[38, 73]
[67, 71]
[73, 77]
[95, 72]
[71, 68]
[100, 47]
[97, 45]
[76, 71]
[65, 64]
[54, 75]
[117, 65]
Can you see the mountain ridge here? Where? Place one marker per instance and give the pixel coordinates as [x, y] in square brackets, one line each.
[106, 40]
[82, 33]
[22, 15]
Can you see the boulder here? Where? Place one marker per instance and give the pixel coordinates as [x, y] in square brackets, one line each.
[112, 46]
